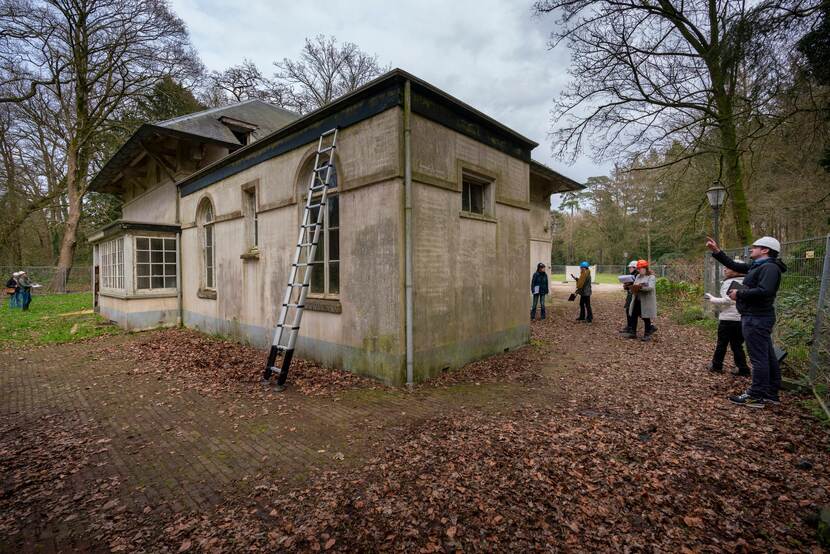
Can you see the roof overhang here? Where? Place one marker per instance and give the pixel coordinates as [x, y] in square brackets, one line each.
[134, 147]
[120, 227]
[547, 181]
[384, 93]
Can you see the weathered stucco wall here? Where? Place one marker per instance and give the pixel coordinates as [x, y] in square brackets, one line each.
[540, 233]
[471, 290]
[367, 336]
[160, 201]
[138, 314]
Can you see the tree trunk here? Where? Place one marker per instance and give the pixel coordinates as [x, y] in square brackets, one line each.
[74, 193]
[735, 182]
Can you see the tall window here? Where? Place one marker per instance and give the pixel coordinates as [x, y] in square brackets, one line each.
[325, 276]
[155, 263]
[206, 221]
[112, 264]
[251, 217]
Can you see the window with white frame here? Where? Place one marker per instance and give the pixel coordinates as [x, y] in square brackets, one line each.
[112, 263]
[325, 275]
[208, 245]
[155, 263]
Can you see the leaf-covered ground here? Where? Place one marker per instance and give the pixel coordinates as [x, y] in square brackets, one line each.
[598, 444]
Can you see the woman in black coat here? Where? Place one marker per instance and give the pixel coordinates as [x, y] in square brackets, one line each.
[539, 289]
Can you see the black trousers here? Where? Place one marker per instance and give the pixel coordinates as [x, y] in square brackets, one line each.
[636, 312]
[585, 308]
[730, 335]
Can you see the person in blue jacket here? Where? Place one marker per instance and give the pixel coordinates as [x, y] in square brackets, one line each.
[756, 304]
[539, 289]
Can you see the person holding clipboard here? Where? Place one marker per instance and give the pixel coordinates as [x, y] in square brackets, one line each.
[539, 289]
[729, 325]
[755, 301]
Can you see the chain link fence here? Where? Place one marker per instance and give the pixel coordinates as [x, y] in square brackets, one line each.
[52, 279]
[802, 326]
[607, 274]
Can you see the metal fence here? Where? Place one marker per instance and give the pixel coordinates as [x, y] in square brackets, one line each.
[679, 271]
[802, 309]
[52, 279]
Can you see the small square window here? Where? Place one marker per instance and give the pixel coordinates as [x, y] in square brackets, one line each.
[474, 194]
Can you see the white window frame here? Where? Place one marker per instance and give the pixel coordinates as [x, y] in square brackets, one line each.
[111, 261]
[163, 259]
[250, 210]
[324, 246]
[486, 184]
[207, 253]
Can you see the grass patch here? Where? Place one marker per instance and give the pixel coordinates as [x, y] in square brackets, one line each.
[52, 319]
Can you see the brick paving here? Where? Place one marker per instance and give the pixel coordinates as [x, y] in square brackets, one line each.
[170, 448]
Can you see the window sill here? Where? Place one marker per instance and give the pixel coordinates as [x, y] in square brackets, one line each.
[170, 293]
[209, 294]
[251, 254]
[323, 305]
[478, 217]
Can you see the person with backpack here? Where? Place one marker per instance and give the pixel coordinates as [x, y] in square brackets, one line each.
[729, 327]
[755, 301]
[583, 289]
[13, 291]
[539, 289]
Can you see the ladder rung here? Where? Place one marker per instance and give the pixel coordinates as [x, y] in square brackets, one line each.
[322, 168]
[302, 244]
[308, 225]
[294, 327]
[312, 206]
[292, 305]
[329, 132]
[293, 285]
[303, 264]
[327, 149]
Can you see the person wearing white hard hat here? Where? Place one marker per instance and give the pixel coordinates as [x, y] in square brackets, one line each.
[755, 301]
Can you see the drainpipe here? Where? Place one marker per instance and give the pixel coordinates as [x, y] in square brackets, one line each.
[179, 302]
[407, 195]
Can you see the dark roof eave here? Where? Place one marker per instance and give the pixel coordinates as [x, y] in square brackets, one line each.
[120, 225]
[133, 147]
[558, 182]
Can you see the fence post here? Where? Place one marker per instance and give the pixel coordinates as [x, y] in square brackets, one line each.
[822, 299]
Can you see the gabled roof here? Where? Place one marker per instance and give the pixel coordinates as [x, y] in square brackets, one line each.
[381, 94]
[201, 127]
[266, 117]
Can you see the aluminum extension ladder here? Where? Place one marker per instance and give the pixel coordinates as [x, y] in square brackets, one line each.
[291, 312]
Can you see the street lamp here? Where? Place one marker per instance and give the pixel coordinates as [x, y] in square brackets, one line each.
[716, 194]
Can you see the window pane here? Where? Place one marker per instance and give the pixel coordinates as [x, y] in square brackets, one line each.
[209, 235]
[334, 209]
[157, 269]
[144, 282]
[170, 269]
[170, 244]
[312, 217]
[169, 257]
[465, 198]
[477, 199]
[158, 282]
[142, 256]
[143, 270]
[334, 244]
[320, 252]
[156, 256]
[334, 277]
[318, 278]
[170, 282]
[209, 278]
[142, 243]
[157, 244]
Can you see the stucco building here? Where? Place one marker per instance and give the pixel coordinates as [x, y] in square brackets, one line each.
[212, 202]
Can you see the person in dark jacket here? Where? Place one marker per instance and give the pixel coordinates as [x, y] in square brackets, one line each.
[756, 304]
[629, 324]
[13, 290]
[539, 289]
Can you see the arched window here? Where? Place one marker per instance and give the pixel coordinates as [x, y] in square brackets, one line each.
[325, 276]
[207, 240]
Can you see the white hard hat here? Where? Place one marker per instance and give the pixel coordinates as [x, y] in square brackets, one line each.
[632, 263]
[768, 242]
[15, 274]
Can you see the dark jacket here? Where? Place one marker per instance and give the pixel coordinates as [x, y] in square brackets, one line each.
[11, 283]
[628, 295]
[540, 279]
[763, 277]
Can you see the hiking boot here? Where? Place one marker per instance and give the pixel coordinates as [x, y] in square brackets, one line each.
[625, 330]
[741, 373]
[630, 335]
[714, 369]
[747, 400]
[774, 400]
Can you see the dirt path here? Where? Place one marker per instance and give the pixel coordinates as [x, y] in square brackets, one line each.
[583, 440]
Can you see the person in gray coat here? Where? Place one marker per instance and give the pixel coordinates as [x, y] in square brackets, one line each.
[644, 303]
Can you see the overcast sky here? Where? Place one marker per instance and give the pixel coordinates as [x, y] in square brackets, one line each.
[491, 54]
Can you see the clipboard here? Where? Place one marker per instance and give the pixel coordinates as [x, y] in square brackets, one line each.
[572, 297]
[736, 286]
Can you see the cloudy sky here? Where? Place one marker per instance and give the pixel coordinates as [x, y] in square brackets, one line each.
[491, 54]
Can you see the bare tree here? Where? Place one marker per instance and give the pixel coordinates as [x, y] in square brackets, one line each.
[323, 72]
[101, 54]
[243, 82]
[646, 74]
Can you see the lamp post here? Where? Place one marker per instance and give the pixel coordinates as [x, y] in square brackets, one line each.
[716, 195]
